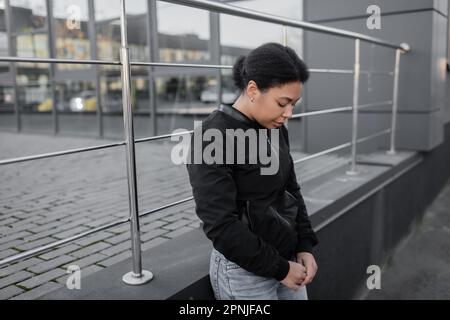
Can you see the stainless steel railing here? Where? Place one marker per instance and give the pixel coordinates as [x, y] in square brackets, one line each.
[138, 275]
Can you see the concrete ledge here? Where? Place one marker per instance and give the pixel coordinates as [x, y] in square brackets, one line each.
[178, 265]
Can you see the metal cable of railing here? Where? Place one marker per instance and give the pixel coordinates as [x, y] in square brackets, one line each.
[139, 276]
[168, 64]
[59, 153]
[341, 146]
[45, 248]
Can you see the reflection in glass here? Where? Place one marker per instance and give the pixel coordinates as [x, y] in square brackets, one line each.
[181, 39]
[107, 21]
[178, 96]
[76, 96]
[28, 15]
[239, 36]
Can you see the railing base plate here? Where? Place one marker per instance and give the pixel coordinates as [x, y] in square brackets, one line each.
[131, 278]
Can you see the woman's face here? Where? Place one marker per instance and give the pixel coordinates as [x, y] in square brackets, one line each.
[271, 108]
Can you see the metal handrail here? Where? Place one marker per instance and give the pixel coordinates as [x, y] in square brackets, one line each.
[341, 146]
[245, 13]
[339, 109]
[45, 248]
[138, 276]
[57, 60]
[59, 153]
[169, 64]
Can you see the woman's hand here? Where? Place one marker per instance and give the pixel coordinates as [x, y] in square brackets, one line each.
[295, 276]
[307, 260]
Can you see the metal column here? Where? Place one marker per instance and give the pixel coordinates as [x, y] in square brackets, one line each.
[395, 101]
[137, 276]
[353, 170]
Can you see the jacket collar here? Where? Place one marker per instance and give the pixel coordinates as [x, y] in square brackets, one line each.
[238, 115]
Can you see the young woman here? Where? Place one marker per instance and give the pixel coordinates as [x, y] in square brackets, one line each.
[258, 223]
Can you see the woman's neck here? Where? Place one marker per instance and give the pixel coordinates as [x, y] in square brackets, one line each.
[242, 107]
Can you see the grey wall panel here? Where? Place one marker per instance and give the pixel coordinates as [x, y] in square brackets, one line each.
[415, 67]
[329, 130]
[422, 81]
[415, 131]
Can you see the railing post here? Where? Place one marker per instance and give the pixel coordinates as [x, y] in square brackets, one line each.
[352, 170]
[137, 276]
[395, 101]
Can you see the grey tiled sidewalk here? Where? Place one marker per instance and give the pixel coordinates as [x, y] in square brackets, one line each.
[46, 200]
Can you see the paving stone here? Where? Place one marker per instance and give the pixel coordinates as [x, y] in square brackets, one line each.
[116, 249]
[14, 278]
[115, 259]
[153, 243]
[71, 232]
[90, 249]
[9, 292]
[51, 264]
[59, 251]
[177, 224]
[36, 243]
[14, 268]
[87, 261]
[153, 234]
[177, 232]
[38, 291]
[102, 235]
[37, 280]
[7, 253]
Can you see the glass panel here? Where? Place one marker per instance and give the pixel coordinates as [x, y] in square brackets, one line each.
[35, 104]
[28, 15]
[239, 35]
[183, 99]
[181, 39]
[107, 20]
[33, 85]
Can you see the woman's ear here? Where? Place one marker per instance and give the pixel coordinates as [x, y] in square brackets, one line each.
[252, 90]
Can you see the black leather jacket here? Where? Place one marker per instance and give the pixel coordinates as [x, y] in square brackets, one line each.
[250, 217]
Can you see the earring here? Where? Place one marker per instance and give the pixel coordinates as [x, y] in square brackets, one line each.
[252, 99]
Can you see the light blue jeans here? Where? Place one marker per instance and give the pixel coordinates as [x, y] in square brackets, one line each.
[231, 282]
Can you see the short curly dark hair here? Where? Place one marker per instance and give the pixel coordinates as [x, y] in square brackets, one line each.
[269, 65]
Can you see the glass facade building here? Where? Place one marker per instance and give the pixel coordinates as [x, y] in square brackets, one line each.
[86, 99]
